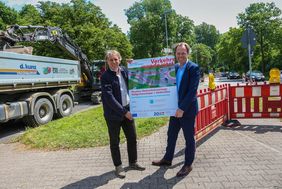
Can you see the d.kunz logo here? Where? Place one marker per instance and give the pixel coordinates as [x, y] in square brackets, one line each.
[26, 66]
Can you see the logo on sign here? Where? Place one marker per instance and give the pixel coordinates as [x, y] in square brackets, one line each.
[47, 70]
[26, 66]
[158, 113]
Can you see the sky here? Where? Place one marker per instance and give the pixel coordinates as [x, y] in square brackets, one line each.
[220, 13]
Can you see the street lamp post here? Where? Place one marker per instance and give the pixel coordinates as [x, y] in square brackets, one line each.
[166, 33]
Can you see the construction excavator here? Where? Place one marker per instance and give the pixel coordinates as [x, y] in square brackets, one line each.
[89, 87]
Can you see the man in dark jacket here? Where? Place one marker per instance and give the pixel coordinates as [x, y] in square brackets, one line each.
[115, 101]
[187, 81]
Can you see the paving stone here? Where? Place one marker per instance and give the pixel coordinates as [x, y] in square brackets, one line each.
[248, 156]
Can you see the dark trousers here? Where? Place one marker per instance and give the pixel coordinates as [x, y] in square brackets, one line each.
[128, 128]
[187, 125]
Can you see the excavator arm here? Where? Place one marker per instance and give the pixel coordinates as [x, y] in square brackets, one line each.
[17, 33]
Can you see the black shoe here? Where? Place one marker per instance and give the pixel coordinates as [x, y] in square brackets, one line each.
[119, 172]
[136, 166]
[185, 170]
[161, 162]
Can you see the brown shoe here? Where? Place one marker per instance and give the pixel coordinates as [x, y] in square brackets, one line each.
[161, 162]
[185, 170]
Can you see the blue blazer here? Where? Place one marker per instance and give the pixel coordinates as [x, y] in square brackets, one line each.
[111, 95]
[187, 94]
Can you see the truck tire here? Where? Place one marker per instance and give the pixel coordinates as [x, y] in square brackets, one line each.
[43, 113]
[96, 97]
[66, 106]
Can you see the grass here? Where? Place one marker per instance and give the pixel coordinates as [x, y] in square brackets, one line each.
[81, 130]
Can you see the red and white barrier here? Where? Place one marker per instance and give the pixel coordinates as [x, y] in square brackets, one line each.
[255, 101]
[213, 107]
[233, 102]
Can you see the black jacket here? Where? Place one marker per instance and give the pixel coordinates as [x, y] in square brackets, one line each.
[111, 95]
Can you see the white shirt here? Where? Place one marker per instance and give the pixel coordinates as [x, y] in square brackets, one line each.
[123, 89]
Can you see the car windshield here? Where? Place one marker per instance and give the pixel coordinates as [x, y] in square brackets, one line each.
[257, 73]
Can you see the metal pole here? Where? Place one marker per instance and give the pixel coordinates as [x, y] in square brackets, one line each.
[249, 52]
[166, 35]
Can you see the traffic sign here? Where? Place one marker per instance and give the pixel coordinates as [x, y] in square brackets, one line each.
[249, 36]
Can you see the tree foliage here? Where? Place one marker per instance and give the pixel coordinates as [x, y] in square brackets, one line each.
[207, 34]
[202, 55]
[265, 20]
[148, 20]
[29, 15]
[7, 16]
[84, 23]
[231, 54]
[147, 27]
[183, 30]
[92, 31]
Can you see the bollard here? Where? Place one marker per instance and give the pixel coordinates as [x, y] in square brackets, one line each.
[274, 74]
[212, 85]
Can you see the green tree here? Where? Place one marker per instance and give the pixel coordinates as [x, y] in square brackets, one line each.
[8, 16]
[29, 15]
[202, 55]
[276, 54]
[231, 54]
[86, 25]
[147, 34]
[264, 19]
[184, 30]
[207, 34]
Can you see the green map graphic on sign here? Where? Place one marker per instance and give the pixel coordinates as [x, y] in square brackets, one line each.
[151, 77]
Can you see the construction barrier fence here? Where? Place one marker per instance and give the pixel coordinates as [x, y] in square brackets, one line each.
[228, 102]
[213, 107]
[255, 101]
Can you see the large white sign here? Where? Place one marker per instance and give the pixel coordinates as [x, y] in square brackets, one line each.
[152, 87]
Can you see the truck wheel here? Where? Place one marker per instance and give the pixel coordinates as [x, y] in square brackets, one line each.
[43, 113]
[66, 106]
[96, 97]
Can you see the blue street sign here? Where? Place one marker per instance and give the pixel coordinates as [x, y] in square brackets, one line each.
[249, 36]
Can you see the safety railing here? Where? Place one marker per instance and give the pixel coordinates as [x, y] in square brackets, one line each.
[213, 108]
[255, 101]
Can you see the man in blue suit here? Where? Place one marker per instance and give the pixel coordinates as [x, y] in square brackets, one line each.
[187, 81]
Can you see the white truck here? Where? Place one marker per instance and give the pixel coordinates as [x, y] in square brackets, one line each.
[36, 88]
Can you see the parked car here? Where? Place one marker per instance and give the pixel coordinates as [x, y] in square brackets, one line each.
[280, 76]
[255, 75]
[233, 75]
[223, 74]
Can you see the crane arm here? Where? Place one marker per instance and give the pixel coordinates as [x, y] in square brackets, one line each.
[16, 33]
